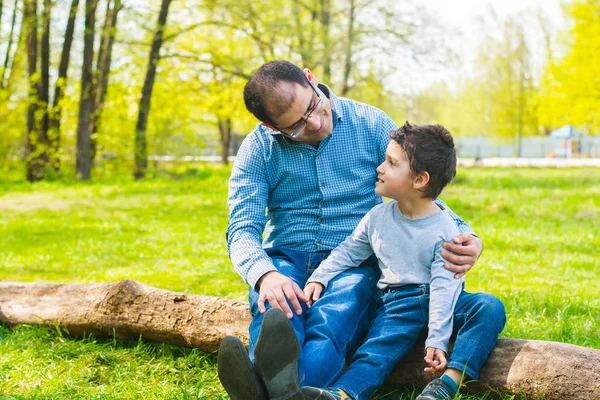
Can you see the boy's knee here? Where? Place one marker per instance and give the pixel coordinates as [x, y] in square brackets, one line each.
[492, 307]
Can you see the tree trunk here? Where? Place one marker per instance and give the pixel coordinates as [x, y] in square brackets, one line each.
[140, 145]
[325, 39]
[128, 308]
[3, 82]
[59, 87]
[83, 163]
[34, 164]
[348, 57]
[45, 84]
[9, 65]
[225, 139]
[103, 68]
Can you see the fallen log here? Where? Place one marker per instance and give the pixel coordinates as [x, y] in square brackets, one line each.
[537, 369]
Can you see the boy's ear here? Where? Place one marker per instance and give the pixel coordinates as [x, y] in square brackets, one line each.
[421, 180]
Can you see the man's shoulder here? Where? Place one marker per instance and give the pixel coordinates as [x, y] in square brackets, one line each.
[260, 139]
[352, 108]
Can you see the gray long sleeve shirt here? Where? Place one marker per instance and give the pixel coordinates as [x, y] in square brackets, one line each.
[408, 251]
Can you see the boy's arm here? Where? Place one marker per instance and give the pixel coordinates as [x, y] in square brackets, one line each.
[444, 292]
[350, 253]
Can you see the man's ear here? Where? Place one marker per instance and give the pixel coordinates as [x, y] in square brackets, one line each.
[421, 180]
[313, 79]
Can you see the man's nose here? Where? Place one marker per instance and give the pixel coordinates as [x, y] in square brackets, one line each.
[313, 122]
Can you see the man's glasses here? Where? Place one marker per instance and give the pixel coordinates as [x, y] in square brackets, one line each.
[302, 123]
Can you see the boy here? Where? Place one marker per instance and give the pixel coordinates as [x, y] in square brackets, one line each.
[406, 234]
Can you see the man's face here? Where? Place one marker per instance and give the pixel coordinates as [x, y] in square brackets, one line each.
[319, 122]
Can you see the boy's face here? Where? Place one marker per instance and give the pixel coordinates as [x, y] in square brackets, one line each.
[395, 178]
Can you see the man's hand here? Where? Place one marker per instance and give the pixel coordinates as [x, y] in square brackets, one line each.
[436, 359]
[277, 289]
[462, 253]
[313, 291]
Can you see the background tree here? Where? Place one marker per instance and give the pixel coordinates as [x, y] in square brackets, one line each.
[570, 86]
[140, 147]
[61, 83]
[107, 40]
[83, 164]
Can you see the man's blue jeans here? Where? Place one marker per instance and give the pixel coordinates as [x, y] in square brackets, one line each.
[332, 328]
[402, 317]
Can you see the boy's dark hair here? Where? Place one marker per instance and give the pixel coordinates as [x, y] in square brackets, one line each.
[261, 94]
[428, 148]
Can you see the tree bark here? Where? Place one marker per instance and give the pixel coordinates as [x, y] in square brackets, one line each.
[140, 144]
[128, 308]
[59, 87]
[103, 68]
[83, 163]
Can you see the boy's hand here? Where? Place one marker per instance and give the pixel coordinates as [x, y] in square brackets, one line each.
[436, 359]
[313, 291]
[462, 253]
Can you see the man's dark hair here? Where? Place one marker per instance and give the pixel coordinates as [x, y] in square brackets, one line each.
[262, 96]
[428, 148]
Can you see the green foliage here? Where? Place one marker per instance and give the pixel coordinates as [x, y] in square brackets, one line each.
[570, 87]
[540, 228]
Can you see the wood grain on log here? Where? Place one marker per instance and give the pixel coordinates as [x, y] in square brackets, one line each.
[130, 309]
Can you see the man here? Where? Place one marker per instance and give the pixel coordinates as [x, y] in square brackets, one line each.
[311, 164]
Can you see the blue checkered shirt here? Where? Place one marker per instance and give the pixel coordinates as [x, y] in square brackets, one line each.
[304, 198]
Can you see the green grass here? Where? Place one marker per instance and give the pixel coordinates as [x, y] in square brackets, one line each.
[541, 229]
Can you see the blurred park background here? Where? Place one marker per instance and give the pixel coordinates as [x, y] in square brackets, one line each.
[111, 109]
[117, 84]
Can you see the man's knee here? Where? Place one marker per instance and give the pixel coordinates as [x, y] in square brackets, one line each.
[357, 280]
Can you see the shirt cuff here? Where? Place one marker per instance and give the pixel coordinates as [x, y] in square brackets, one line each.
[257, 271]
[322, 281]
[437, 344]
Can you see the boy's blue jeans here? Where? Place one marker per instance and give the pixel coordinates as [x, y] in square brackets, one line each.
[332, 328]
[402, 318]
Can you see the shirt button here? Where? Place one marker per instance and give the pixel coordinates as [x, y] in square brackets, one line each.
[318, 241]
[318, 155]
[323, 184]
[322, 205]
[320, 220]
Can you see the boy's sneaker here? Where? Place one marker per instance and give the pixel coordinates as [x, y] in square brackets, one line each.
[313, 393]
[437, 390]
